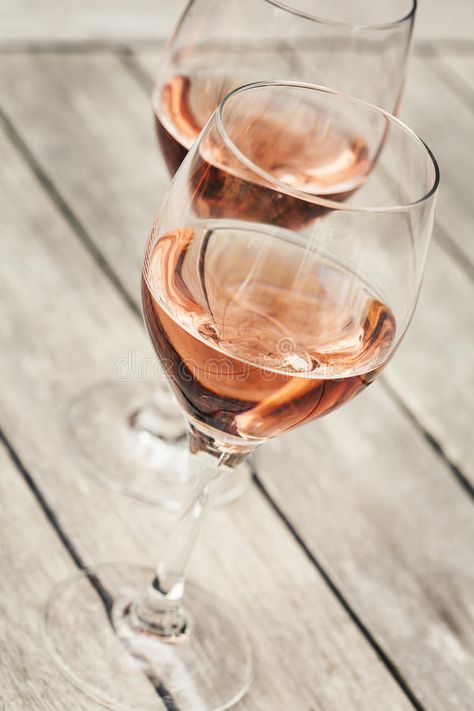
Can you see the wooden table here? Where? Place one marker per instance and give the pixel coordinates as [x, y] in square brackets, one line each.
[351, 556]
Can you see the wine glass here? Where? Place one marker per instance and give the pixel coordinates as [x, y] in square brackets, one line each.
[131, 434]
[264, 318]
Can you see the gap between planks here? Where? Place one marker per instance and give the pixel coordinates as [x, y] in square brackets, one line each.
[107, 601]
[73, 553]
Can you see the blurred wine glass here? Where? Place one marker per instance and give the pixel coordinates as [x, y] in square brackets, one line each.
[359, 47]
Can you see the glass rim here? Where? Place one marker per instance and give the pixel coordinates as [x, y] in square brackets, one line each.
[347, 25]
[311, 197]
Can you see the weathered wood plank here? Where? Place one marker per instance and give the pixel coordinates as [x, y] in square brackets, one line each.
[433, 371]
[33, 561]
[462, 66]
[380, 514]
[87, 20]
[434, 111]
[46, 20]
[65, 327]
[94, 136]
[439, 20]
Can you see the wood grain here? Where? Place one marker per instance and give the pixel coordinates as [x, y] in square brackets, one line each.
[438, 20]
[36, 561]
[46, 20]
[94, 137]
[394, 532]
[64, 328]
[461, 68]
[437, 114]
[87, 20]
[433, 371]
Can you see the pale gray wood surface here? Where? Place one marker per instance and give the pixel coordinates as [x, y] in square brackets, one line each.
[36, 561]
[60, 307]
[395, 533]
[95, 139]
[458, 71]
[49, 20]
[443, 120]
[440, 20]
[433, 371]
[372, 501]
[87, 20]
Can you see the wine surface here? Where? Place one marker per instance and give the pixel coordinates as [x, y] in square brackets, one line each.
[257, 333]
[299, 149]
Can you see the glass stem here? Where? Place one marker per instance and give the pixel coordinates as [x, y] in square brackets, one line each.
[160, 610]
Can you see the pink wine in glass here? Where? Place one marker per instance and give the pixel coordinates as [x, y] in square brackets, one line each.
[335, 164]
[257, 333]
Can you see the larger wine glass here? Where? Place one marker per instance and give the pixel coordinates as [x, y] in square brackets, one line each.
[133, 436]
[264, 318]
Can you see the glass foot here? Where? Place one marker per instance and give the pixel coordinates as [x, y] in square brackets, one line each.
[132, 438]
[208, 668]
